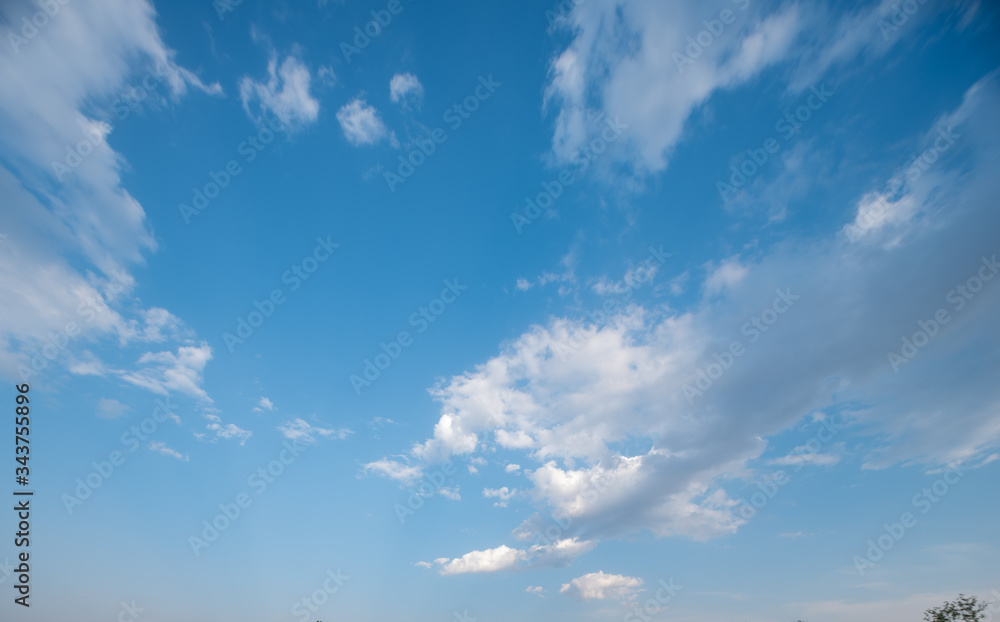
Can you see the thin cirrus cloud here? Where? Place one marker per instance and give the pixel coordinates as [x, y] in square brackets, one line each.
[301, 430]
[574, 414]
[630, 60]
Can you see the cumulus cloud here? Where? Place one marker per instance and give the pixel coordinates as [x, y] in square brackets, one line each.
[405, 88]
[505, 558]
[361, 123]
[598, 586]
[284, 94]
[581, 413]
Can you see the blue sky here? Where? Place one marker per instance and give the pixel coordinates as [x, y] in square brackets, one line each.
[503, 311]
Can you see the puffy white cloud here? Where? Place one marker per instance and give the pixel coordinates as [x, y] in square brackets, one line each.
[598, 586]
[285, 94]
[505, 558]
[361, 123]
[406, 88]
[510, 468]
[490, 560]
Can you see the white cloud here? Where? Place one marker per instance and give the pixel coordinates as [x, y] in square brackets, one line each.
[162, 372]
[598, 586]
[503, 494]
[535, 589]
[302, 431]
[490, 560]
[217, 429]
[264, 404]
[64, 206]
[162, 448]
[111, 409]
[285, 94]
[505, 558]
[510, 468]
[804, 458]
[629, 60]
[578, 415]
[395, 470]
[361, 123]
[727, 275]
[405, 88]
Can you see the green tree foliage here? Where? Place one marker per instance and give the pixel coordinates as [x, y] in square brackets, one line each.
[962, 609]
